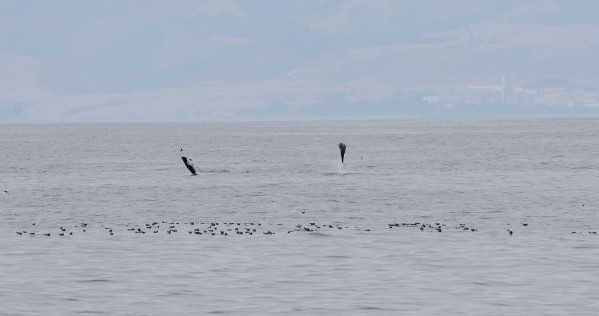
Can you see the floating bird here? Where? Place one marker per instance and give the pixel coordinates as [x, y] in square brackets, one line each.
[189, 165]
[342, 150]
[181, 149]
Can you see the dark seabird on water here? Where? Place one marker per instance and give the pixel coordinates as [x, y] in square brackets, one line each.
[342, 150]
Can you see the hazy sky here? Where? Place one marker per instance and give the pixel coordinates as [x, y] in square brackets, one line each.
[231, 59]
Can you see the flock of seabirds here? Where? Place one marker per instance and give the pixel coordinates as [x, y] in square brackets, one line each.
[244, 228]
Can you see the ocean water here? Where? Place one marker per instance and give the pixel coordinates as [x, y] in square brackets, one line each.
[415, 222]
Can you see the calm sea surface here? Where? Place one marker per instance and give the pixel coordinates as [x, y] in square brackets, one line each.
[415, 222]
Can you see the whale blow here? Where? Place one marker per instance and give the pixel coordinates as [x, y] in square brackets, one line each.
[189, 165]
[342, 150]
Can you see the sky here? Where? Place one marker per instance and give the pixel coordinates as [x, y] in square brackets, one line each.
[113, 60]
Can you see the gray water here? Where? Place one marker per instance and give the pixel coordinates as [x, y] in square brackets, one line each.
[475, 179]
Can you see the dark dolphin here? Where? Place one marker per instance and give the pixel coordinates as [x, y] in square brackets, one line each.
[189, 165]
[342, 150]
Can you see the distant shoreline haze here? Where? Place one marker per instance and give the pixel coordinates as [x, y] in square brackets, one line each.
[209, 60]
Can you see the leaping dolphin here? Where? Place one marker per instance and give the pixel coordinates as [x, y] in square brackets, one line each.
[189, 165]
[342, 150]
